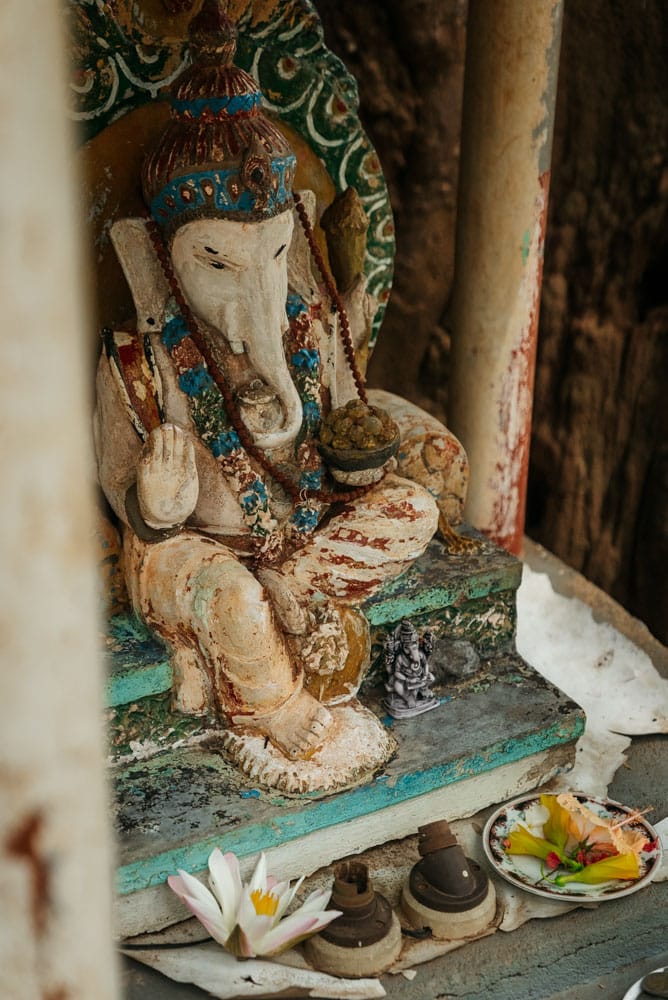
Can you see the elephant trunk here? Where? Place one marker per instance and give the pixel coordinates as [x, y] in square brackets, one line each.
[261, 322]
[237, 283]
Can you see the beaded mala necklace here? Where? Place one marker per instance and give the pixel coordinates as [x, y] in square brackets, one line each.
[183, 337]
[333, 292]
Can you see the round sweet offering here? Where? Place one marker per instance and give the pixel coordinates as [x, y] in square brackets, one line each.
[358, 436]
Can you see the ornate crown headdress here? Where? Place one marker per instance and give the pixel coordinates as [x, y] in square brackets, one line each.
[219, 155]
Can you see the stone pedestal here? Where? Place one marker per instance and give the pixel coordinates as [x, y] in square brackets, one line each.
[496, 733]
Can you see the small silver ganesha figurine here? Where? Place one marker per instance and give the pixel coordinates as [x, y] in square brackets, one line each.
[409, 676]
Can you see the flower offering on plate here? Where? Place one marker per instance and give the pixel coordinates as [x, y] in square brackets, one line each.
[571, 845]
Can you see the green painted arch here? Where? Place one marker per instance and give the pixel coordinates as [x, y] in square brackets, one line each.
[116, 69]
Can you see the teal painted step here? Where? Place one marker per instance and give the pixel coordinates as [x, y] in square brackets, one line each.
[174, 808]
[441, 579]
[468, 596]
[138, 664]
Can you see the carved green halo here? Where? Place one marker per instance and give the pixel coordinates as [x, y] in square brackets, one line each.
[119, 66]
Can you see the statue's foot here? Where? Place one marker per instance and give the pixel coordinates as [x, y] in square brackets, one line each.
[356, 747]
[298, 728]
[453, 542]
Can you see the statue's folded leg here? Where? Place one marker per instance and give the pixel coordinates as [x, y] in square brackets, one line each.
[371, 540]
[360, 547]
[430, 454]
[229, 652]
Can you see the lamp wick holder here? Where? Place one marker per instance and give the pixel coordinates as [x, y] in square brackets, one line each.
[447, 892]
[366, 939]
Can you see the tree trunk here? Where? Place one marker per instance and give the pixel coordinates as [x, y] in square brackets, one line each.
[598, 482]
[408, 58]
[598, 486]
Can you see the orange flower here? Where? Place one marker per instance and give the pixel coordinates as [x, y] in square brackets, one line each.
[599, 832]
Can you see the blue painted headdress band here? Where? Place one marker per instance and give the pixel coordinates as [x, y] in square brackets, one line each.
[219, 156]
[227, 193]
[225, 107]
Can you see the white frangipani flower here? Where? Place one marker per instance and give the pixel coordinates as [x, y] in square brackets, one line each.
[248, 920]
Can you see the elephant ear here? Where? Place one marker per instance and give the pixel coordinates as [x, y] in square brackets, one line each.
[142, 271]
[301, 277]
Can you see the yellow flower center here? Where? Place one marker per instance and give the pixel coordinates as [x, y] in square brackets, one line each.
[265, 903]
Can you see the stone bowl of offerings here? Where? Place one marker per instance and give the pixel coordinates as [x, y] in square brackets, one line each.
[357, 436]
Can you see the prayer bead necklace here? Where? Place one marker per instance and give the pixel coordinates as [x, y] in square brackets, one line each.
[293, 489]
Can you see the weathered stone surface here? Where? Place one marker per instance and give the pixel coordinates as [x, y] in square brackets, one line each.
[138, 663]
[467, 596]
[173, 809]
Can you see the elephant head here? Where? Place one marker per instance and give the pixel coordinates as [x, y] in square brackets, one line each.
[234, 276]
[218, 184]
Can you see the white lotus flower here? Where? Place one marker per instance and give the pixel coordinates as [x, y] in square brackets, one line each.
[248, 920]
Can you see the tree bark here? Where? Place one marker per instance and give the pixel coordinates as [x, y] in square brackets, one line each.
[598, 490]
[408, 58]
[598, 480]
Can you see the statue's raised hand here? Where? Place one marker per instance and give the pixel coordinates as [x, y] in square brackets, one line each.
[167, 483]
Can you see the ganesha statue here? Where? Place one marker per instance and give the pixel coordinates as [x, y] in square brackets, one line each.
[247, 547]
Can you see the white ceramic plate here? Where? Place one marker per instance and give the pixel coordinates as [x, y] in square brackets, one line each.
[635, 991]
[524, 871]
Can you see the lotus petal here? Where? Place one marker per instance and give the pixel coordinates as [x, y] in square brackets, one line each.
[317, 900]
[239, 945]
[225, 882]
[253, 924]
[259, 876]
[285, 895]
[201, 903]
[293, 929]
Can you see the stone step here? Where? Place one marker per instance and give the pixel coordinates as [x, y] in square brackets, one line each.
[138, 662]
[467, 596]
[493, 736]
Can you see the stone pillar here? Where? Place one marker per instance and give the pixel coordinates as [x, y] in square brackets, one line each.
[55, 859]
[511, 69]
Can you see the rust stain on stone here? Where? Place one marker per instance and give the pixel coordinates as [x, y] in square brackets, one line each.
[401, 511]
[355, 537]
[358, 590]
[508, 514]
[23, 844]
[340, 559]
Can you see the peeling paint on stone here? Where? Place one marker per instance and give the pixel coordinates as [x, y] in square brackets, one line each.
[515, 398]
[164, 801]
[511, 70]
